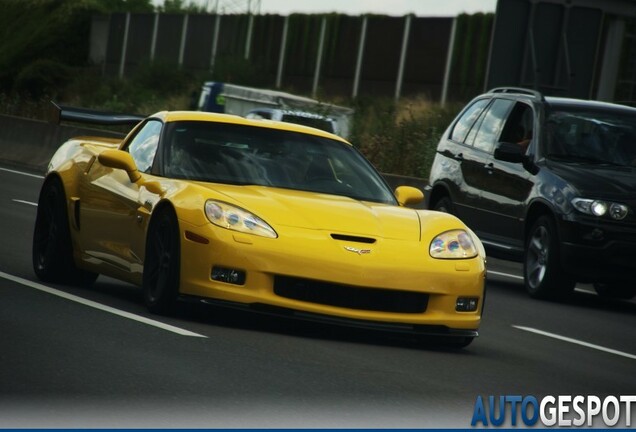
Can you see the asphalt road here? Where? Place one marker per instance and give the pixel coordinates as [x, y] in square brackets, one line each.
[95, 357]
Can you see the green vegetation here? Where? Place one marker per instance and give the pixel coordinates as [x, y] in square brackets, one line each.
[43, 56]
[400, 137]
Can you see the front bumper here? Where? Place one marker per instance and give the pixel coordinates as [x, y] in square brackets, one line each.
[393, 266]
[411, 329]
[599, 252]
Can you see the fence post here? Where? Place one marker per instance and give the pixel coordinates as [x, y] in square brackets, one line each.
[449, 62]
[248, 39]
[184, 35]
[363, 38]
[405, 43]
[153, 43]
[124, 46]
[215, 41]
[321, 45]
[281, 55]
[609, 73]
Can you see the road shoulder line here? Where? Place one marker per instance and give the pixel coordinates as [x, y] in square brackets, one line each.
[99, 306]
[577, 342]
[21, 173]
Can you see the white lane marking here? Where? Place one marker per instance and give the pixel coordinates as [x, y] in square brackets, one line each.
[99, 306]
[22, 173]
[496, 273]
[577, 342]
[513, 276]
[586, 291]
[25, 202]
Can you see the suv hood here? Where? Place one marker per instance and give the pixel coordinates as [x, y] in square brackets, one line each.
[597, 180]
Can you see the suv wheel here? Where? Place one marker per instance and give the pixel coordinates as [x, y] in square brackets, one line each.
[445, 205]
[543, 276]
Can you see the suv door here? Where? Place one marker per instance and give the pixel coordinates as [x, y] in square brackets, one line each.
[507, 185]
[456, 165]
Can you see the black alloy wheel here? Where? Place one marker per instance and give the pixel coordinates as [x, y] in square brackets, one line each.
[161, 277]
[445, 205]
[52, 251]
[543, 275]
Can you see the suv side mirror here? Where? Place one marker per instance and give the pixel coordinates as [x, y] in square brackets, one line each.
[510, 152]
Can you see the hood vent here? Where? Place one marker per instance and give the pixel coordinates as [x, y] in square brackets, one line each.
[350, 238]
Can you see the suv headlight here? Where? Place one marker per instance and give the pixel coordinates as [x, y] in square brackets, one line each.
[455, 244]
[235, 218]
[600, 208]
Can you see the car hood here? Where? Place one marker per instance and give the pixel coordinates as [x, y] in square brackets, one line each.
[597, 180]
[334, 213]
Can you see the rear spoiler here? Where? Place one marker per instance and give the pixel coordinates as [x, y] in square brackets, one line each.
[84, 115]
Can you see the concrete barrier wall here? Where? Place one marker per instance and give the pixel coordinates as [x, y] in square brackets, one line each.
[30, 144]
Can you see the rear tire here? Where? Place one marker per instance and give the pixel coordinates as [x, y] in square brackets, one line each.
[543, 276]
[52, 251]
[161, 277]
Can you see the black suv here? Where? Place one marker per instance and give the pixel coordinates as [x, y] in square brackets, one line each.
[547, 181]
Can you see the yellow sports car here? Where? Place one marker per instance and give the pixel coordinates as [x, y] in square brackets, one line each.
[273, 216]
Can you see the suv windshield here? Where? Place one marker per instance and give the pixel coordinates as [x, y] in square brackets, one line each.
[591, 136]
[247, 155]
[311, 121]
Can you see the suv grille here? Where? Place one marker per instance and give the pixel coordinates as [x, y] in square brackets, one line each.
[372, 299]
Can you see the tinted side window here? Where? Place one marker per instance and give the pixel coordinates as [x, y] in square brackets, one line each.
[467, 120]
[491, 126]
[519, 127]
[143, 146]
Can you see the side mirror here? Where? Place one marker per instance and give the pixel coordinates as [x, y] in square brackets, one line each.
[408, 195]
[118, 159]
[510, 152]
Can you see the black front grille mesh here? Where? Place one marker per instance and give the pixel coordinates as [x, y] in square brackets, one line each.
[371, 299]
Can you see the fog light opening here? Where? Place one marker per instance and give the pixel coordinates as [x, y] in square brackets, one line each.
[231, 276]
[466, 304]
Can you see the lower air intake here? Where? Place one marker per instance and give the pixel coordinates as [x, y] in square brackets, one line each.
[371, 299]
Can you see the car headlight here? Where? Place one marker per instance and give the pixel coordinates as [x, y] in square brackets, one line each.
[456, 244]
[601, 208]
[235, 218]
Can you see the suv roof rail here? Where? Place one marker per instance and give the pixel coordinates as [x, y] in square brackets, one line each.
[519, 90]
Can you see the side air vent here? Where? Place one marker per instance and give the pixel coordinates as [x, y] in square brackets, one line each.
[350, 238]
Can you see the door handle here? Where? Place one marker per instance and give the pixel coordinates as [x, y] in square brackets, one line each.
[489, 167]
[459, 157]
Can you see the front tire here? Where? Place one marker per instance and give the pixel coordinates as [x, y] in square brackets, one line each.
[543, 275]
[161, 277]
[52, 251]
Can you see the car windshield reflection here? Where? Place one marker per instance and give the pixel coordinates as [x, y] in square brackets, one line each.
[593, 137]
[246, 155]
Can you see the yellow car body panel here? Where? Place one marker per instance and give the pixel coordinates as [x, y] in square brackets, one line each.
[332, 239]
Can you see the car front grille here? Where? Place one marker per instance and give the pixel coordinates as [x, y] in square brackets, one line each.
[371, 299]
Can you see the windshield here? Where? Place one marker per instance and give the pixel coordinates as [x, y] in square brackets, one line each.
[247, 155]
[592, 136]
